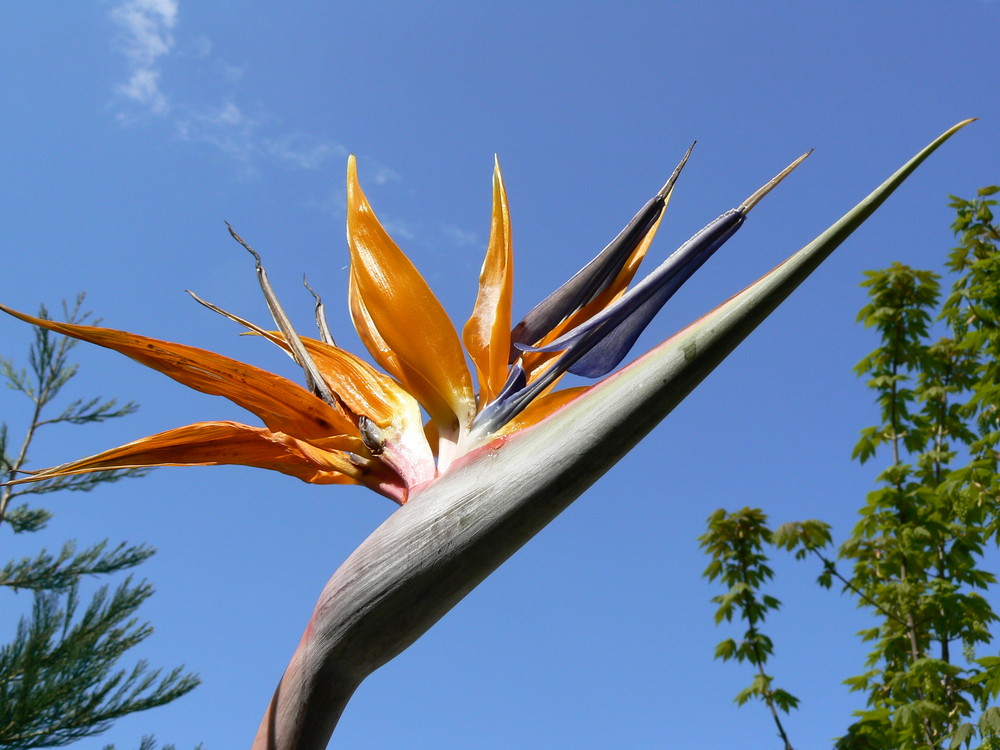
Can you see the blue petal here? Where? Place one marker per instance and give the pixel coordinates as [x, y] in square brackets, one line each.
[594, 277]
[511, 400]
[596, 347]
[589, 281]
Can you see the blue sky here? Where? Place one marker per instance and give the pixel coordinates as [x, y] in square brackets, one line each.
[134, 128]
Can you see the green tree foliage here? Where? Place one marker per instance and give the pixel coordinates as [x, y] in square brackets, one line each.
[916, 554]
[735, 542]
[59, 677]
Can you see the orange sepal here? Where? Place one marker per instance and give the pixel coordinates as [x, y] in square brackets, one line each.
[402, 315]
[359, 387]
[215, 443]
[283, 405]
[487, 334]
[362, 388]
[542, 407]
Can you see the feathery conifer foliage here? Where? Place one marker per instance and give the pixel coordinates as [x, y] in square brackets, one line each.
[60, 678]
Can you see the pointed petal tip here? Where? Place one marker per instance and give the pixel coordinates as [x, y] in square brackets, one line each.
[353, 183]
[352, 177]
[669, 184]
[771, 184]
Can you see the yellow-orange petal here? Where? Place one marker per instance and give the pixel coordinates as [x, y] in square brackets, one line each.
[362, 389]
[283, 405]
[487, 333]
[404, 316]
[368, 331]
[216, 443]
[542, 407]
[359, 387]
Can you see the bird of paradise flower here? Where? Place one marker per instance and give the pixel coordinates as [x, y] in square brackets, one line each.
[355, 424]
[488, 469]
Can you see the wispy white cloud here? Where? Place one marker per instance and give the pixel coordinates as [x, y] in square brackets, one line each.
[245, 138]
[302, 150]
[144, 87]
[226, 127]
[230, 73]
[399, 230]
[380, 175]
[197, 46]
[145, 37]
[148, 36]
[228, 114]
[460, 237]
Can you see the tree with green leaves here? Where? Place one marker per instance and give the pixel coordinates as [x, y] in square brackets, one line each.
[915, 557]
[60, 678]
[736, 544]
